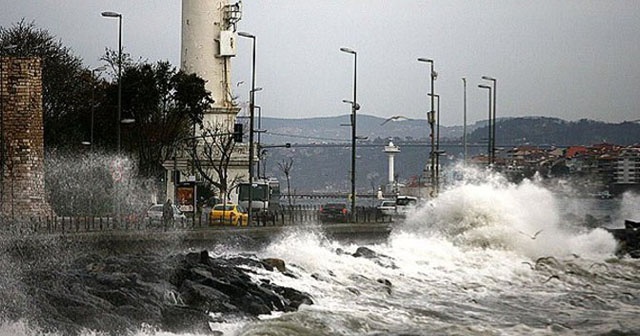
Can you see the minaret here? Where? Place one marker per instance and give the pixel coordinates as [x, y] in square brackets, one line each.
[391, 151]
[208, 44]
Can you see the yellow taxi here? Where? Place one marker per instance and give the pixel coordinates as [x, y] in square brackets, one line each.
[230, 213]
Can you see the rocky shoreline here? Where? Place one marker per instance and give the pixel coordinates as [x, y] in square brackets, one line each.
[121, 293]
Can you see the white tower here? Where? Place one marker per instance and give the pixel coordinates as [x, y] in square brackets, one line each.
[391, 151]
[208, 44]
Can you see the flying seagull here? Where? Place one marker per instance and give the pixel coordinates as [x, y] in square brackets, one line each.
[394, 118]
[551, 277]
[535, 235]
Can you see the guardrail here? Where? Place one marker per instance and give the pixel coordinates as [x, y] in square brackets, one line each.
[285, 216]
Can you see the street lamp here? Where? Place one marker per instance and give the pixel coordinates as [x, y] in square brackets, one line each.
[259, 131]
[493, 118]
[354, 107]
[251, 113]
[431, 119]
[489, 139]
[93, 105]
[437, 156]
[119, 17]
[464, 120]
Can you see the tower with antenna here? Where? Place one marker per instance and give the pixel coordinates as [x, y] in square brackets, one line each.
[208, 43]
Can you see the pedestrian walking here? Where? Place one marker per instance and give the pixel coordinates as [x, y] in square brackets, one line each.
[167, 213]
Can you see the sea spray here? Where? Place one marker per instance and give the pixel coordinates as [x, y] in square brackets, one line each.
[493, 213]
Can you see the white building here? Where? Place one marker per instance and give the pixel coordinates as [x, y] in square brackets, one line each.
[628, 167]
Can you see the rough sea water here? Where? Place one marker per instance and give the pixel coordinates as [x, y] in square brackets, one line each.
[486, 257]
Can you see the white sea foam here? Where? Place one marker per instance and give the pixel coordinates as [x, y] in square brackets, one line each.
[495, 214]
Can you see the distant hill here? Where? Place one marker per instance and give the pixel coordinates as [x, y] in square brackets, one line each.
[321, 147]
[329, 129]
[560, 133]
[526, 130]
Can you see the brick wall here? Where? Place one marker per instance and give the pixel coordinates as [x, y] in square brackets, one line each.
[22, 192]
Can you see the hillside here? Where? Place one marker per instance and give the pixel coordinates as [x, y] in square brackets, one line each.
[321, 148]
[531, 130]
[329, 129]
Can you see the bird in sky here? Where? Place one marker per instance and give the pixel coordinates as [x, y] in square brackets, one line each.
[534, 236]
[394, 118]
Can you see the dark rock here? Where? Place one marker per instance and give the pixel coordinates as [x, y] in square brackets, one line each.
[294, 298]
[204, 297]
[178, 319]
[274, 263]
[365, 252]
[176, 294]
[387, 285]
[204, 257]
[380, 259]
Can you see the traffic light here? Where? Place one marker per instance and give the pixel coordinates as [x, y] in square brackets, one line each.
[237, 132]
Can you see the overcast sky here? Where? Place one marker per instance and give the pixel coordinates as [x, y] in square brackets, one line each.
[566, 59]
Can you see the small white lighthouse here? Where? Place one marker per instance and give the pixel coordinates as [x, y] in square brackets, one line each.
[391, 151]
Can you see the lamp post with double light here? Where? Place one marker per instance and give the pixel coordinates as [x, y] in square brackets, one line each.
[431, 119]
[437, 151]
[354, 107]
[493, 118]
[251, 114]
[487, 87]
[118, 16]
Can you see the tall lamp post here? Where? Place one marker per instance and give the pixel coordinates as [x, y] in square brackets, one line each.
[437, 152]
[259, 131]
[464, 119]
[482, 86]
[119, 17]
[251, 113]
[93, 105]
[493, 118]
[431, 120]
[354, 107]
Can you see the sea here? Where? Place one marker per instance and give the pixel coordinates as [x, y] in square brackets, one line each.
[486, 257]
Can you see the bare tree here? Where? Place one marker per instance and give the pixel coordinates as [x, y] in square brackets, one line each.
[285, 166]
[211, 153]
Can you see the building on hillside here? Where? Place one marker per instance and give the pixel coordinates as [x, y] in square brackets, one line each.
[627, 173]
[573, 151]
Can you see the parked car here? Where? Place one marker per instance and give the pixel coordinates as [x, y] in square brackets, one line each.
[387, 208]
[334, 212]
[229, 213]
[405, 204]
[155, 212]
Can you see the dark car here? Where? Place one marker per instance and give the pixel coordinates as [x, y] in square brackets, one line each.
[333, 212]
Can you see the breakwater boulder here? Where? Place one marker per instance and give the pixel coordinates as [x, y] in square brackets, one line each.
[119, 294]
[628, 239]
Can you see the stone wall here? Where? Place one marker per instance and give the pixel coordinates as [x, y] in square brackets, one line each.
[22, 192]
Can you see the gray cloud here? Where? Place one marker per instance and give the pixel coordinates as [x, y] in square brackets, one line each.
[567, 59]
